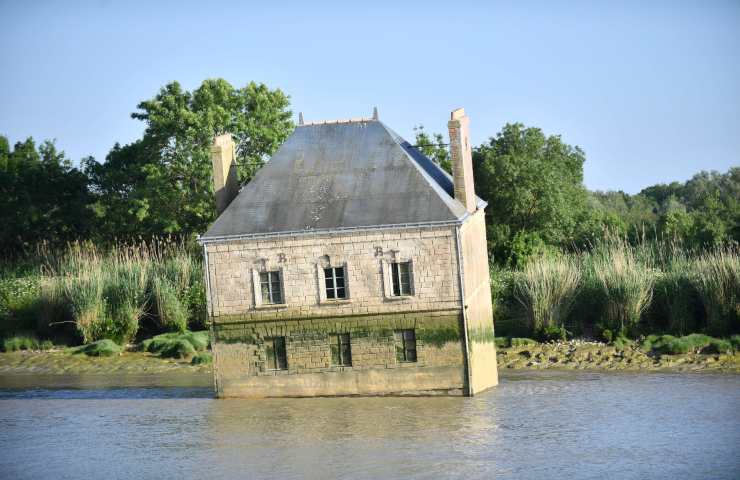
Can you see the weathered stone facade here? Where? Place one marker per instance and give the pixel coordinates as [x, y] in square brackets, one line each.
[370, 313]
[414, 314]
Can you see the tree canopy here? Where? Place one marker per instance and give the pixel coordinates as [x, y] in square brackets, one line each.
[533, 184]
[162, 182]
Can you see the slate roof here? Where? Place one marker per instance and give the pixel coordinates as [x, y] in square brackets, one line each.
[341, 175]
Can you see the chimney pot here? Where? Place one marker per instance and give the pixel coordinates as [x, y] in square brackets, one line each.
[225, 180]
[462, 159]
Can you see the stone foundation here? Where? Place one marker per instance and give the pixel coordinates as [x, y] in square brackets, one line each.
[241, 368]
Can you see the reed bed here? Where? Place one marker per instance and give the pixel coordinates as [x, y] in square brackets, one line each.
[114, 293]
[546, 290]
[133, 291]
[616, 289]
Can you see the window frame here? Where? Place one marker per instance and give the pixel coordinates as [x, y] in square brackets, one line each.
[340, 357]
[334, 288]
[273, 352]
[403, 345]
[397, 275]
[274, 278]
[257, 286]
[321, 265]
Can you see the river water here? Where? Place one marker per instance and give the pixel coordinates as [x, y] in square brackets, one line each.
[533, 425]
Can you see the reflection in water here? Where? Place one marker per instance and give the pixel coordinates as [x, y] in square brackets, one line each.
[532, 426]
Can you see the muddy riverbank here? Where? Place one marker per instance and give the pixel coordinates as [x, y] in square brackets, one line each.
[585, 355]
[572, 355]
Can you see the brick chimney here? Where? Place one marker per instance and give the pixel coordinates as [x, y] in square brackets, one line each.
[225, 181]
[462, 158]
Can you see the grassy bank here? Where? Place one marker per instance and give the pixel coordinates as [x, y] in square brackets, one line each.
[653, 353]
[185, 352]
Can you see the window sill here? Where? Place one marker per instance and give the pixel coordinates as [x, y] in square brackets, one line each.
[340, 301]
[399, 298]
[271, 306]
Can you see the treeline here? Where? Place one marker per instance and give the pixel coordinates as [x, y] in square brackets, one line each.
[79, 262]
[157, 185]
[161, 183]
[537, 202]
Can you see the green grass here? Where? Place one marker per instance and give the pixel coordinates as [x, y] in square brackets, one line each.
[179, 348]
[21, 342]
[502, 342]
[694, 343]
[522, 342]
[101, 348]
[202, 358]
[176, 345]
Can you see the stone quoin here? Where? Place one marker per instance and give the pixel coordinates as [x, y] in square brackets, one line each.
[351, 264]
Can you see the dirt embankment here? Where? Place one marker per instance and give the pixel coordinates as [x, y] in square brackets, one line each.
[600, 356]
[64, 362]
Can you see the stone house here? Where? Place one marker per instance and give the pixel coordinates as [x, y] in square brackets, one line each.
[350, 265]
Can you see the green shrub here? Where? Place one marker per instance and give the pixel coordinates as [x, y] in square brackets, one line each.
[717, 345]
[553, 333]
[179, 348]
[199, 340]
[170, 344]
[695, 342]
[20, 342]
[546, 289]
[621, 342]
[502, 342]
[607, 335]
[101, 348]
[735, 342]
[202, 358]
[522, 342]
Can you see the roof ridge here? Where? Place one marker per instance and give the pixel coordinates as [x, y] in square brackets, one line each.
[339, 122]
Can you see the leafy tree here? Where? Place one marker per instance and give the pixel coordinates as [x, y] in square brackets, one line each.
[434, 147]
[42, 197]
[533, 184]
[162, 183]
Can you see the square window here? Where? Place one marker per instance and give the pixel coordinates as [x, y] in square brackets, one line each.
[401, 277]
[277, 358]
[334, 281]
[272, 290]
[341, 350]
[405, 345]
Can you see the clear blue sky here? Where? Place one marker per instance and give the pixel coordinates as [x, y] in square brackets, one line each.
[650, 90]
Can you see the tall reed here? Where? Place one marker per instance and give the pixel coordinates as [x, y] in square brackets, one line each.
[716, 276]
[546, 289]
[108, 293]
[675, 289]
[626, 279]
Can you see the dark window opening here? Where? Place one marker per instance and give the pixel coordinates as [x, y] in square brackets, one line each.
[335, 286]
[405, 345]
[277, 358]
[341, 351]
[400, 273]
[272, 291]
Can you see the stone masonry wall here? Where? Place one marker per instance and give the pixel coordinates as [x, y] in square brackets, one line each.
[431, 251]
[370, 314]
[241, 368]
